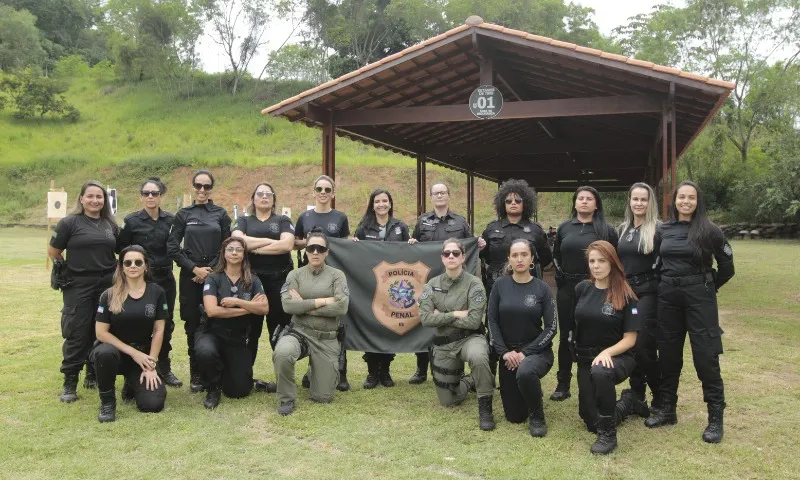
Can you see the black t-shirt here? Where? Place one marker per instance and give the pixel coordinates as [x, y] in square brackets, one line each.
[633, 260]
[89, 243]
[271, 228]
[521, 316]
[569, 248]
[220, 286]
[598, 324]
[134, 324]
[333, 223]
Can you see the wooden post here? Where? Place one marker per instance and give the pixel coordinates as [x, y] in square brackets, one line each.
[329, 150]
[664, 158]
[673, 137]
[471, 199]
[422, 190]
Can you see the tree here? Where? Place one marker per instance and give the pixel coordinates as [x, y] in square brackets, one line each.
[32, 95]
[298, 61]
[19, 39]
[224, 16]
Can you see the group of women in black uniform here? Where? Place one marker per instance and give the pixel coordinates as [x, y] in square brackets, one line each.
[626, 298]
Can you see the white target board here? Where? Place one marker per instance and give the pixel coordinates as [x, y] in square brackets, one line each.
[56, 205]
[112, 200]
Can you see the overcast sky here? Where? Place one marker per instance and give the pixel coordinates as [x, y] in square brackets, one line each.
[608, 15]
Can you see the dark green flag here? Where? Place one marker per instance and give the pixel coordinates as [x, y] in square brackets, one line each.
[385, 281]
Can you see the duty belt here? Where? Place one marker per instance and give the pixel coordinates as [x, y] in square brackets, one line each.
[584, 354]
[689, 279]
[454, 337]
[640, 278]
[96, 273]
[574, 277]
[320, 334]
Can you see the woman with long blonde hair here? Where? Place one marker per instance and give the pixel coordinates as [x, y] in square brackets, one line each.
[606, 322]
[130, 323]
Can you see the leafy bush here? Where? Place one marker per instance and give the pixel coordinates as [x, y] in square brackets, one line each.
[33, 95]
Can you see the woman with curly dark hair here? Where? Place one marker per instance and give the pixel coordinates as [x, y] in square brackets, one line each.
[587, 225]
[514, 203]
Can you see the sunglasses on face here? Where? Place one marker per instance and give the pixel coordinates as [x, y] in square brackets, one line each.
[454, 253]
[234, 250]
[264, 194]
[321, 189]
[151, 193]
[514, 200]
[203, 186]
[138, 262]
[316, 249]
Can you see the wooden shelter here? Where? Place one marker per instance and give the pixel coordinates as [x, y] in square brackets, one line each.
[572, 115]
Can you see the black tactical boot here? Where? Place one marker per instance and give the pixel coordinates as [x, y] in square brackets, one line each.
[485, 416]
[165, 372]
[628, 404]
[656, 405]
[286, 408]
[562, 388]
[128, 392]
[372, 380]
[195, 383]
[108, 406]
[213, 396]
[343, 385]
[606, 436]
[713, 432]
[306, 383]
[421, 374]
[264, 386]
[536, 423]
[90, 380]
[383, 372]
[70, 392]
[665, 416]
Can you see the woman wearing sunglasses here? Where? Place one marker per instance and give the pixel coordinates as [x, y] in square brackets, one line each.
[270, 241]
[233, 298]
[149, 228]
[334, 224]
[379, 224]
[316, 295]
[130, 324]
[88, 236]
[201, 227]
[453, 303]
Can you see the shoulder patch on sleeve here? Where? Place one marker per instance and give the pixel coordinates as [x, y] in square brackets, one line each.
[285, 287]
[426, 292]
[346, 289]
[478, 295]
[100, 309]
[635, 311]
[206, 287]
[727, 249]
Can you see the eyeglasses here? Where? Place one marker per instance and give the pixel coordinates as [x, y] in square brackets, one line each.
[316, 249]
[203, 186]
[454, 253]
[234, 250]
[264, 194]
[149, 193]
[438, 194]
[320, 189]
[514, 200]
[138, 262]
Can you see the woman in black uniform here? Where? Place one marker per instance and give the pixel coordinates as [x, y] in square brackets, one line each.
[379, 224]
[201, 227]
[569, 256]
[522, 324]
[635, 251]
[606, 322]
[233, 298]
[334, 223]
[89, 236]
[130, 320]
[150, 228]
[687, 302]
[270, 241]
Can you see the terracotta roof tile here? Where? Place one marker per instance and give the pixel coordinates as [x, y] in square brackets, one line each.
[613, 56]
[538, 38]
[639, 63]
[661, 68]
[559, 43]
[590, 51]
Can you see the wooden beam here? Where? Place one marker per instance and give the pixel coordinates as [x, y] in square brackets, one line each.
[540, 147]
[568, 107]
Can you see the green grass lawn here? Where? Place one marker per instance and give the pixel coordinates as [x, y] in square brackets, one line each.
[400, 432]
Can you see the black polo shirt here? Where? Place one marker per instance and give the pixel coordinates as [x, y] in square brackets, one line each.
[220, 286]
[430, 228]
[89, 243]
[598, 324]
[680, 258]
[572, 238]
[140, 229]
[202, 228]
[271, 228]
[333, 223]
[134, 324]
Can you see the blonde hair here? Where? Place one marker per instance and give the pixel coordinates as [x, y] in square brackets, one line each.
[118, 292]
[647, 232]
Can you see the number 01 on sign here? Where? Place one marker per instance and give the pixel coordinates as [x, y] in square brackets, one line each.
[486, 102]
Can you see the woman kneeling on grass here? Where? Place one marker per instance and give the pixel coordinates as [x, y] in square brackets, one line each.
[130, 320]
[606, 325]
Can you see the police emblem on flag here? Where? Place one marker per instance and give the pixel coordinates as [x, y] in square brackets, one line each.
[397, 290]
[530, 300]
[150, 310]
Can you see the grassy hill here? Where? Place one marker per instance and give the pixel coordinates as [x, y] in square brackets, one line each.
[129, 132]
